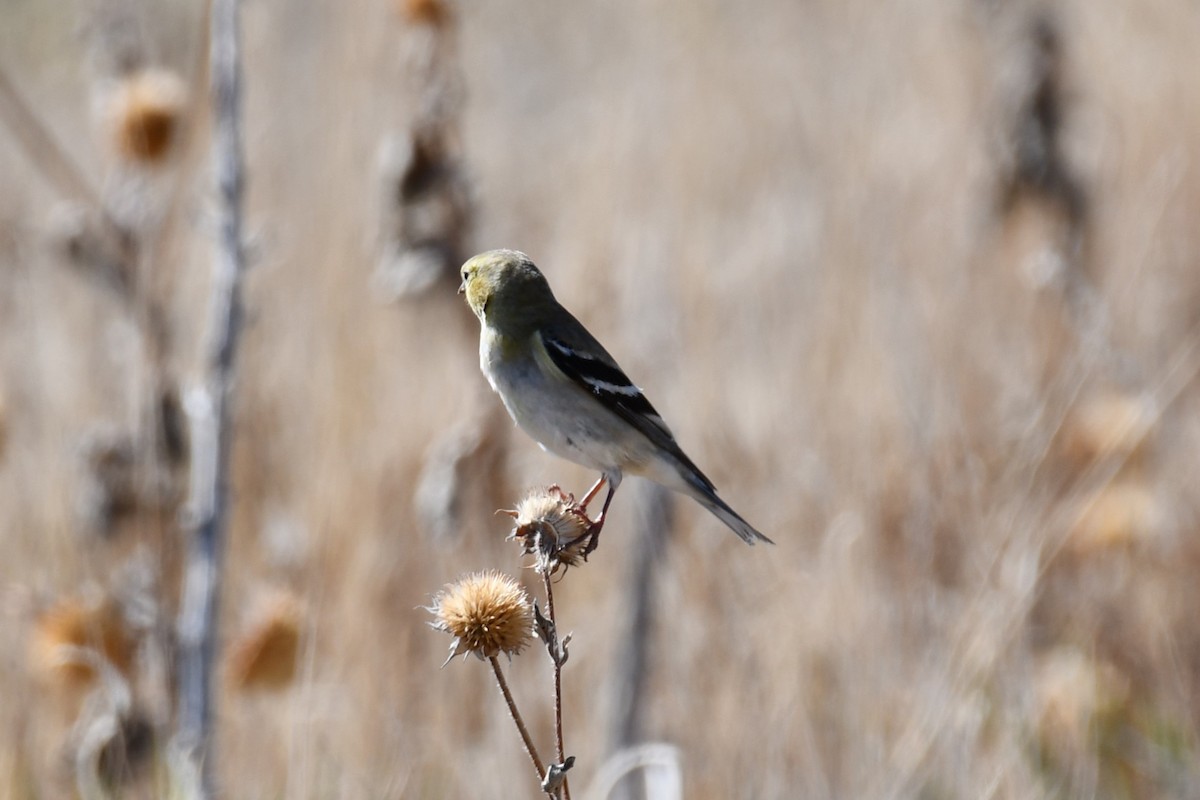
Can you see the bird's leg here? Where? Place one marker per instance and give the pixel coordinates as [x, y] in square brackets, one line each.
[591, 494]
[592, 534]
[593, 531]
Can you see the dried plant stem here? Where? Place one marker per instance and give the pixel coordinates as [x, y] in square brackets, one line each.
[56, 165]
[516, 716]
[209, 410]
[45, 151]
[560, 751]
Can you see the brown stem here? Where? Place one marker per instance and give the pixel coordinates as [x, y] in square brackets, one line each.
[516, 717]
[560, 751]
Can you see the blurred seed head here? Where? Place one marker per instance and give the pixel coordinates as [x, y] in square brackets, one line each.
[93, 245]
[128, 752]
[265, 656]
[119, 479]
[426, 210]
[109, 488]
[146, 111]
[1070, 690]
[424, 12]
[487, 613]
[551, 526]
[1113, 425]
[1119, 515]
[110, 739]
[457, 471]
[72, 625]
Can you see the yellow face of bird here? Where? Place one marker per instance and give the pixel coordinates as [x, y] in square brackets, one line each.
[480, 276]
[505, 274]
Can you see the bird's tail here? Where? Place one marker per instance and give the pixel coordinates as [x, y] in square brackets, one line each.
[723, 512]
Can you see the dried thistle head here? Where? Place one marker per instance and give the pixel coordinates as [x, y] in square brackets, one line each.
[265, 656]
[552, 526]
[426, 12]
[487, 613]
[75, 624]
[146, 111]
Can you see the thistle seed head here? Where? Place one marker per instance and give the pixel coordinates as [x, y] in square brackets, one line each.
[487, 613]
[551, 526]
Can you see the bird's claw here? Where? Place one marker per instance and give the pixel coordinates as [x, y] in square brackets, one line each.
[593, 537]
[590, 535]
[563, 495]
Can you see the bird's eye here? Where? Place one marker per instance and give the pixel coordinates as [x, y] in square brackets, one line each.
[464, 276]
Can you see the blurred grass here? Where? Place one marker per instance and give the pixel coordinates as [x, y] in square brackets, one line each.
[783, 221]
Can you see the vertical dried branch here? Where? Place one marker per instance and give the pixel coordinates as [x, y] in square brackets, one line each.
[208, 408]
[123, 253]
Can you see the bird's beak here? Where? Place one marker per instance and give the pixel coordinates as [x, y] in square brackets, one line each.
[462, 287]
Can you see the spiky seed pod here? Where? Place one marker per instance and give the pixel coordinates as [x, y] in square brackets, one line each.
[550, 525]
[487, 613]
[145, 112]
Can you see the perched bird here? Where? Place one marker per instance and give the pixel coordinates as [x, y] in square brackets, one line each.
[564, 389]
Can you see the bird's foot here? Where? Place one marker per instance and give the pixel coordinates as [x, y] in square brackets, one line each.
[590, 537]
[585, 543]
[593, 537]
[562, 495]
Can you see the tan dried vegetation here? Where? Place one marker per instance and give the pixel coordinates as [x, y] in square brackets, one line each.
[916, 284]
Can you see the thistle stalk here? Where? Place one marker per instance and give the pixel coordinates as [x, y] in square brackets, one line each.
[560, 748]
[515, 713]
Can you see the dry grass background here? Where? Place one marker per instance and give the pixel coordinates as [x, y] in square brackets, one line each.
[975, 445]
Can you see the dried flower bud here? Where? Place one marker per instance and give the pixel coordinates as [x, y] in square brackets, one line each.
[265, 655]
[425, 12]
[487, 613]
[146, 111]
[551, 525]
[74, 624]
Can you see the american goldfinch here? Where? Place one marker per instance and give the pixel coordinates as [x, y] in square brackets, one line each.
[564, 389]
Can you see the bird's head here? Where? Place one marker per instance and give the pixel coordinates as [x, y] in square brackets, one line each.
[503, 287]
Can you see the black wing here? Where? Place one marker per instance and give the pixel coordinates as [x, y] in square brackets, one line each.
[594, 371]
[590, 366]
